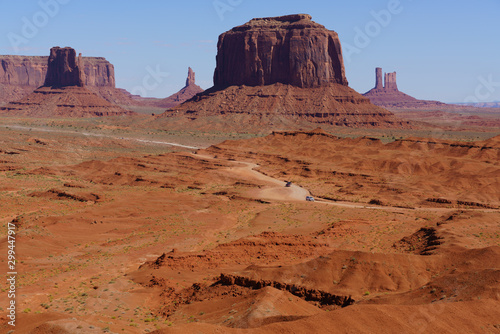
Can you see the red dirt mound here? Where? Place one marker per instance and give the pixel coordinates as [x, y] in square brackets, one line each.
[255, 309]
[422, 242]
[338, 105]
[266, 248]
[68, 101]
[404, 172]
[178, 238]
[441, 318]
[63, 195]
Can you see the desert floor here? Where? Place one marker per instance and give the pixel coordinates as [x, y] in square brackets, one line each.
[120, 229]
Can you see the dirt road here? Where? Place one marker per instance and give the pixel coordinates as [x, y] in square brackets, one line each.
[100, 135]
[276, 190]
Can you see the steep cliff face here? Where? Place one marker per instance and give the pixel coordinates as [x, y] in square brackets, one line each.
[191, 78]
[287, 49]
[31, 71]
[63, 93]
[64, 68]
[379, 83]
[23, 71]
[98, 72]
[283, 68]
[390, 82]
[20, 75]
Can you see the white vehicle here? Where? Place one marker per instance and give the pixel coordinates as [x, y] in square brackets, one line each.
[309, 198]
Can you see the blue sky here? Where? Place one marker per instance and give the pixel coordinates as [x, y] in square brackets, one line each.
[447, 50]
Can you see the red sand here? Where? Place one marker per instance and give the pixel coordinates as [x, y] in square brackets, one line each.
[402, 237]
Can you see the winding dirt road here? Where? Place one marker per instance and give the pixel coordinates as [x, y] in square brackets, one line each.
[276, 190]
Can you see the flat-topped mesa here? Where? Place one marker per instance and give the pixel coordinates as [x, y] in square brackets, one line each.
[64, 69]
[64, 93]
[290, 49]
[31, 71]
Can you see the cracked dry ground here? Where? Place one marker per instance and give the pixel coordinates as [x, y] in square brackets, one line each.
[403, 237]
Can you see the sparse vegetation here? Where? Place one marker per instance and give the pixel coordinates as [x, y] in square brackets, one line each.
[151, 201]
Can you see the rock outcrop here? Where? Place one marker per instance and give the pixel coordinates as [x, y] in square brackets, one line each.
[191, 79]
[336, 105]
[32, 70]
[23, 70]
[390, 82]
[63, 94]
[387, 95]
[186, 93]
[64, 68]
[288, 49]
[286, 67]
[379, 83]
[21, 75]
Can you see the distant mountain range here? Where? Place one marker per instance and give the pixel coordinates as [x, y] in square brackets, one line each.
[494, 104]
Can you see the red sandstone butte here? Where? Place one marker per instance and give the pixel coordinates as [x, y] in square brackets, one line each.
[287, 67]
[63, 94]
[21, 75]
[64, 68]
[289, 49]
[386, 94]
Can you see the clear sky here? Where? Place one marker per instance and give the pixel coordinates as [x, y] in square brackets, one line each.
[447, 50]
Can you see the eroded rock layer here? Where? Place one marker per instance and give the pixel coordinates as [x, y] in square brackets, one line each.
[31, 71]
[388, 95]
[335, 104]
[288, 49]
[63, 94]
[64, 68]
[287, 66]
[21, 75]
[187, 92]
[70, 101]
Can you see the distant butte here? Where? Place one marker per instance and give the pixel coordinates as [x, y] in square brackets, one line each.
[386, 94]
[190, 90]
[21, 75]
[288, 66]
[64, 93]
